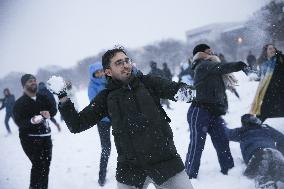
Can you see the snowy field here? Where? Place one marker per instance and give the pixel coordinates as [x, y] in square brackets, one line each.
[75, 161]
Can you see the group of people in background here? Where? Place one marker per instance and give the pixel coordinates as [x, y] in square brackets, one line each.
[123, 98]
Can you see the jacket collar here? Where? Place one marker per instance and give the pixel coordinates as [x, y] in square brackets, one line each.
[132, 83]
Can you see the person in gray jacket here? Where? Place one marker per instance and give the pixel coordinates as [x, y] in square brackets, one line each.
[204, 114]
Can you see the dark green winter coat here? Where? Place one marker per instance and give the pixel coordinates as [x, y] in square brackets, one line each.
[141, 130]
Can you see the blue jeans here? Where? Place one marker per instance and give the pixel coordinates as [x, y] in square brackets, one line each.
[200, 123]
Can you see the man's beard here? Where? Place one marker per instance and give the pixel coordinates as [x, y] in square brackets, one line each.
[32, 89]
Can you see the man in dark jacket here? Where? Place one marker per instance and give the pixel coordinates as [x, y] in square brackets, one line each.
[262, 149]
[44, 91]
[251, 60]
[204, 114]
[31, 112]
[155, 71]
[140, 126]
[8, 102]
[167, 71]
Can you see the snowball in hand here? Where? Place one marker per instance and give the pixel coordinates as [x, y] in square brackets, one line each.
[56, 84]
[36, 119]
[185, 94]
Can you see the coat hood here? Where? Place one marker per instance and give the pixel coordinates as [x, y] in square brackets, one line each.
[93, 68]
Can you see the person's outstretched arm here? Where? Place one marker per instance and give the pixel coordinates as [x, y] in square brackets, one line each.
[224, 68]
[88, 117]
[233, 134]
[165, 88]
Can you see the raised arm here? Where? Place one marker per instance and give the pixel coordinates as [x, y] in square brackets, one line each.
[223, 68]
[88, 117]
[162, 87]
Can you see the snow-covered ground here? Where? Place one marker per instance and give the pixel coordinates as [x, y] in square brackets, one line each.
[75, 161]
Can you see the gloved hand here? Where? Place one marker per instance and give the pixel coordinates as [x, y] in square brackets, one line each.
[57, 85]
[185, 94]
[246, 68]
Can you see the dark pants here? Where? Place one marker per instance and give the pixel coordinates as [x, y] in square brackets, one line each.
[104, 132]
[7, 118]
[266, 165]
[39, 151]
[200, 123]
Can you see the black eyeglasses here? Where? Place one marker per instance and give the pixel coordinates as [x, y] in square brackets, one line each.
[122, 62]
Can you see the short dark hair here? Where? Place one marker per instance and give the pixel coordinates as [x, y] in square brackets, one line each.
[200, 48]
[109, 55]
[249, 120]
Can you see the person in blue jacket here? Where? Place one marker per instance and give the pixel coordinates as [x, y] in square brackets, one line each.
[8, 102]
[97, 83]
[262, 149]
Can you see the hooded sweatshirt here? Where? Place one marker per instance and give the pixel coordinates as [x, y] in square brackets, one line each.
[96, 85]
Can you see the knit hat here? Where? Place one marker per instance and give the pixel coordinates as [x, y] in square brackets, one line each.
[25, 78]
[200, 48]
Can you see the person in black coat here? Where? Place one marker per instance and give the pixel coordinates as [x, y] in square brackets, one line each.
[8, 102]
[44, 91]
[251, 60]
[262, 149]
[204, 114]
[269, 98]
[167, 71]
[155, 71]
[168, 75]
[140, 126]
[31, 112]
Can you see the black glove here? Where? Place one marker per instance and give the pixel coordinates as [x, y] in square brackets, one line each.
[57, 86]
[185, 93]
[246, 69]
[61, 94]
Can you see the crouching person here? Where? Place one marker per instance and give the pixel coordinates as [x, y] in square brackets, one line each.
[140, 126]
[262, 149]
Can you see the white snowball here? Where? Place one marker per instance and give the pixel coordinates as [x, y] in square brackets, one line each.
[56, 84]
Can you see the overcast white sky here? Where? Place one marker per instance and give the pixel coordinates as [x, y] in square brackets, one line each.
[37, 33]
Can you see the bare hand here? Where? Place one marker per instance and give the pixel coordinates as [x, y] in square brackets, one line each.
[45, 114]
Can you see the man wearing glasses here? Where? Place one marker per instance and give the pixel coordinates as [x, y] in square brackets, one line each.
[140, 126]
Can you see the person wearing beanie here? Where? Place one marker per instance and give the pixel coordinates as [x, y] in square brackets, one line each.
[26, 77]
[262, 149]
[31, 112]
[205, 113]
[140, 126]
